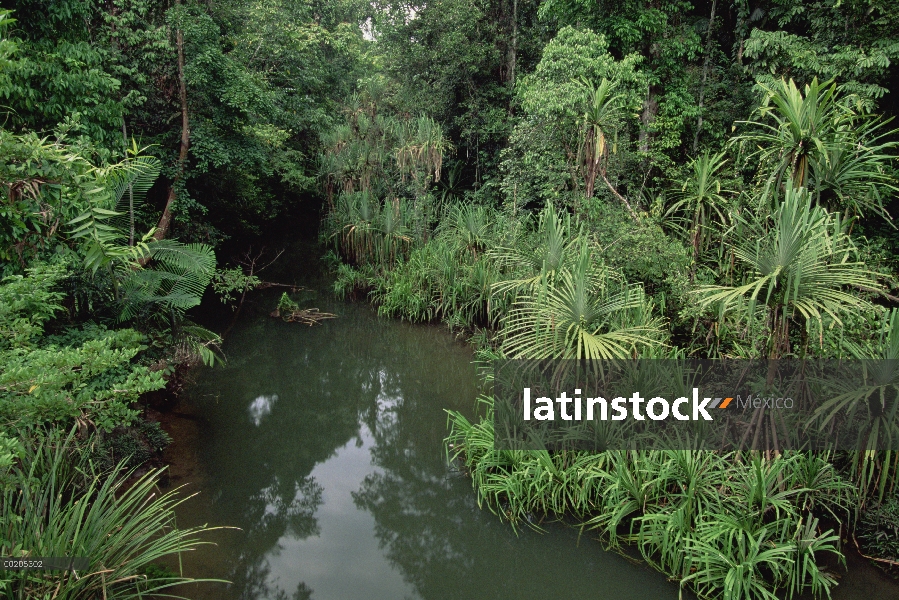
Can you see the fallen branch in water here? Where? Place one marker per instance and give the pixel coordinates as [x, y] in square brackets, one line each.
[264, 285]
[291, 312]
[892, 563]
[306, 316]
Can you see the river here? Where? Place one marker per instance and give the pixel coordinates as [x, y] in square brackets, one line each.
[324, 446]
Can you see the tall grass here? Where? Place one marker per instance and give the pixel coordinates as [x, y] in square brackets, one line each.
[56, 503]
[732, 526]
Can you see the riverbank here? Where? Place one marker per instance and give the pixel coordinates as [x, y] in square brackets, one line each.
[324, 445]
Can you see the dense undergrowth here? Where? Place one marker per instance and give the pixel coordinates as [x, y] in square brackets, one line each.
[737, 525]
[550, 179]
[771, 271]
[92, 319]
[92, 326]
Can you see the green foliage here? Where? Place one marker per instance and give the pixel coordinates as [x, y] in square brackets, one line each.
[878, 530]
[367, 232]
[703, 201]
[582, 311]
[563, 115]
[662, 260]
[59, 82]
[131, 446]
[667, 37]
[180, 275]
[286, 304]
[44, 185]
[799, 266]
[850, 41]
[823, 141]
[227, 283]
[59, 504]
[263, 82]
[875, 471]
[727, 525]
[84, 374]
[348, 280]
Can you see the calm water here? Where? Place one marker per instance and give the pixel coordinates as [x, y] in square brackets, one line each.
[324, 445]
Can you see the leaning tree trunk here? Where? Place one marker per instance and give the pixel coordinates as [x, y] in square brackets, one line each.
[165, 220]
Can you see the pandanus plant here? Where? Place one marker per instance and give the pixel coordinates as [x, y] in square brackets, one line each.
[702, 198]
[421, 149]
[799, 265]
[874, 407]
[586, 312]
[597, 125]
[469, 227]
[826, 141]
[540, 255]
[56, 502]
[794, 126]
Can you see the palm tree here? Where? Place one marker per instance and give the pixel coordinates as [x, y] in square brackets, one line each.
[585, 313]
[799, 269]
[702, 198]
[826, 141]
[598, 121]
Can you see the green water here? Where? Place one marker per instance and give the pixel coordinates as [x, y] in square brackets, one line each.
[324, 445]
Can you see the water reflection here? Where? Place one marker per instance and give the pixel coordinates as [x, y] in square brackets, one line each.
[323, 399]
[432, 531]
[336, 474]
[340, 484]
[260, 407]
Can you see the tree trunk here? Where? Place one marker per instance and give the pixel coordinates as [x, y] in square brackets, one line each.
[705, 75]
[650, 110]
[513, 57]
[165, 220]
[620, 197]
[130, 189]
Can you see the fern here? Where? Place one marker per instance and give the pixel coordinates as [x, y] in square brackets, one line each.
[140, 173]
[103, 226]
[179, 275]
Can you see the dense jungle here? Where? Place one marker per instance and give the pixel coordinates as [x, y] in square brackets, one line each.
[542, 179]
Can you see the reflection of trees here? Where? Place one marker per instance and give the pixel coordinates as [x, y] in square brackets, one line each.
[318, 383]
[428, 522]
[426, 519]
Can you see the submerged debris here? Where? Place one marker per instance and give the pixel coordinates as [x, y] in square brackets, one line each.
[290, 311]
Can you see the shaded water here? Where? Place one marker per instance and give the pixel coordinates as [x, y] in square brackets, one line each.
[324, 445]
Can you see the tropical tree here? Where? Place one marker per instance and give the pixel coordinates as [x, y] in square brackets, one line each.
[799, 265]
[598, 123]
[824, 140]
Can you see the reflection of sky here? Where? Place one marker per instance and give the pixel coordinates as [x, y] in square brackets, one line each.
[344, 561]
[260, 407]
